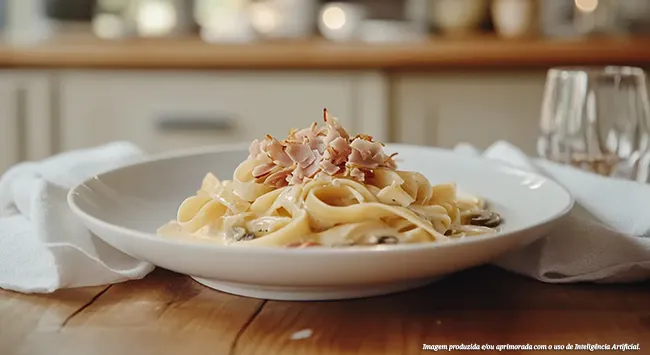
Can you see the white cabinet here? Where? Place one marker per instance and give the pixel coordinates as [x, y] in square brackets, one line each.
[45, 112]
[161, 110]
[444, 109]
[25, 125]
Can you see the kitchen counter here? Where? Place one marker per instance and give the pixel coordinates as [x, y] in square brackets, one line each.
[435, 53]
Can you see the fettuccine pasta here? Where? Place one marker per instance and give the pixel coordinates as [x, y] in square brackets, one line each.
[322, 187]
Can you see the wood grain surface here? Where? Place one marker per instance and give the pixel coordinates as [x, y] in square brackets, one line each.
[168, 313]
[191, 53]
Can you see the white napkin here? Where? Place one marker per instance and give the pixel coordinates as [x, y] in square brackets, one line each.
[606, 237]
[43, 245]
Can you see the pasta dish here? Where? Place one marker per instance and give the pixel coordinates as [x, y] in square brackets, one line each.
[323, 187]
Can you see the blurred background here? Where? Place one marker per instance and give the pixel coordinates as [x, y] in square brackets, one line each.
[171, 74]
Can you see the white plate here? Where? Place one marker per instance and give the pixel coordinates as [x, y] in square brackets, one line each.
[125, 207]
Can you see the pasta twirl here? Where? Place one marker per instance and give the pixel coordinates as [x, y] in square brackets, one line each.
[321, 186]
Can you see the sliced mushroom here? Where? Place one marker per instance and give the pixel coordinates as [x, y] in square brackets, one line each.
[454, 233]
[387, 239]
[486, 219]
[248, 236]
[238, 234]
[372, 240]
[480, 219]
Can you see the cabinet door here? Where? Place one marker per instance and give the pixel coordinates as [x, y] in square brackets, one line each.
[169, 110]
[479, 108]
[10, 132]
[35, 100]
[25, 117]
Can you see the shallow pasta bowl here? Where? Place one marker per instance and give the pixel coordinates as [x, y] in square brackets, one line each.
[125, 207]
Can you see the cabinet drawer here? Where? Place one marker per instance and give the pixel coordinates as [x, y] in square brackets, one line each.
[172, 110]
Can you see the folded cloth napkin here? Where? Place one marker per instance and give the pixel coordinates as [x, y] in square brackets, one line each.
[43, 245]
[606, 237]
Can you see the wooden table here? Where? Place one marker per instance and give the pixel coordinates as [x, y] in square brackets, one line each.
[167, 313]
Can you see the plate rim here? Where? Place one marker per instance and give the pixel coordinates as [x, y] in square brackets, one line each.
[266, 250]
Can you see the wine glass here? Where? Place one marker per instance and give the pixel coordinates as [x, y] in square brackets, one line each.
[596, 118]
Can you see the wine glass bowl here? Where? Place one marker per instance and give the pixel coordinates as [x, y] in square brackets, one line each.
[596, 118]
